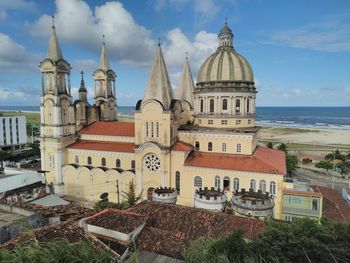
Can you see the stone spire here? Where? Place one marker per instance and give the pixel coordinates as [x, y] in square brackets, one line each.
[159, 87]
[186, 86]
[82, 83]
[104, 63]
[54, 51]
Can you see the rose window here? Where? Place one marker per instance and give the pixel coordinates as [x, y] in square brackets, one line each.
[152, 162]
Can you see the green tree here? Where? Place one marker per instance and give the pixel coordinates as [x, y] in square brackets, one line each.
[4, 156]
[291, 163]
[324, 165]
[282, 147]
[55, 252]
[269, 145]
[131, 197]
[335, 155]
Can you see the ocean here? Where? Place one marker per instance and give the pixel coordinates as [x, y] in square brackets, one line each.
[334, 118]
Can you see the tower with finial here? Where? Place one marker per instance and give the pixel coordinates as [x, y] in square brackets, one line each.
[56, 110]
[104, 82]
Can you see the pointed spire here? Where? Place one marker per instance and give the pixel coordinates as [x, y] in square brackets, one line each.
[54, 51]
[104, 63]
[186, 86]
[159, 86]
[82, 83]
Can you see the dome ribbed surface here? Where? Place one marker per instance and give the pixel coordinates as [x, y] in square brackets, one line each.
[225, 65]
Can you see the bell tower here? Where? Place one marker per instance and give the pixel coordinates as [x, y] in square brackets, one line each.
[57, 117]
[104, 78]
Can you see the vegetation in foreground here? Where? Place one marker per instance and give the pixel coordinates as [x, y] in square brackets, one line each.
[55, 252]
[304, 240]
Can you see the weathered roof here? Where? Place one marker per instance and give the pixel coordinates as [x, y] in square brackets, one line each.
[113, 128]
[159, 86]
[335, 207]
[118, 220]
[263, 160]
[65, 212]
[182, 146]
[54, 52]
[165, 233]
[67, 230]
[185, 88]
[49, 200]
[108, 146]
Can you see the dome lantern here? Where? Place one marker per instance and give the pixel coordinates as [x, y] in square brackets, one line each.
[225, 36]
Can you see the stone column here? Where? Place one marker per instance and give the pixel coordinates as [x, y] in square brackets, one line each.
[58, 162]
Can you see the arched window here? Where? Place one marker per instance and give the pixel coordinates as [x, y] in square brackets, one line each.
[252, 184]
[238, 106]
[133, 164]
[202, 105]
[76, 159]
[210, 146]
[157, 129]
[152, 130]
[217, 181]
[117, 163]
[103, 161]
[262, 186]
[224, 147]
[272, 188]
[226, 183]
[197, 146]
[89, 160]
[224, 104]
[147, 130]
[177, 181]
[211, 105]
[248, 105]
[236, 184]
[198, 181]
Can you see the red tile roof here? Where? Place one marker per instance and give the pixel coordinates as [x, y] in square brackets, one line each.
[167, 234]
[127, 147]
[182, 146]
[118, 220]
[67, 231]
[113, 128]
[263, 160]
[335, 207]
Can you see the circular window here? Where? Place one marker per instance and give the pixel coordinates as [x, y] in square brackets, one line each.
[152, 162]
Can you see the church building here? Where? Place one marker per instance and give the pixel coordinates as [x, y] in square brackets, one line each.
[203, 138]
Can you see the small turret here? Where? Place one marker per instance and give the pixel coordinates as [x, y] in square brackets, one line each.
[185, 89]
[225, 36]
[82, 90]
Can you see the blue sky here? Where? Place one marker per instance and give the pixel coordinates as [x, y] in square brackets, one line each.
[299, 50]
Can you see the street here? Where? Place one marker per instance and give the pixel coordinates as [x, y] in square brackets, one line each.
[320, 180]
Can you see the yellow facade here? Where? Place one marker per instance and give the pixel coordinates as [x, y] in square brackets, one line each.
[161, 121]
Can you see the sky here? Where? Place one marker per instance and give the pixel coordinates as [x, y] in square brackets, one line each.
[299, 50]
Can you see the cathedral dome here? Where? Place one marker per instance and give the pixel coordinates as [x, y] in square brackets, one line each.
[225, 65]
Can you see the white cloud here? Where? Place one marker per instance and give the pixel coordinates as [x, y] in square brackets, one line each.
[3, 15]
[14, 57]
[177, 4]
[347, 91]
[297, 91]
[86, 65]
[7, 94]
[331, 34]
[206, 8]
[127, 42]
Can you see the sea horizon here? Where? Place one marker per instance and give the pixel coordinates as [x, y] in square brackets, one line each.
[308, 117]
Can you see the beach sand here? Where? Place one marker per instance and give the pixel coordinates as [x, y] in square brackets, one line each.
[305, 136]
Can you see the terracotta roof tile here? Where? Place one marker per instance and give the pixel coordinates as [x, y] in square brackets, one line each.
[263, 160]
[118, 220]
[67, 230]
[113, 128]
[182, 146]
[167, 234]
[127, 147]
[65, 212]
[335, 207]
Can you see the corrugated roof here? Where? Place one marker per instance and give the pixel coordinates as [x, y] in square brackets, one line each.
[113, 128]
[103, 146]
[263, 160]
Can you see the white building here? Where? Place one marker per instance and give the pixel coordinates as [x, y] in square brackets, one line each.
[12, 132]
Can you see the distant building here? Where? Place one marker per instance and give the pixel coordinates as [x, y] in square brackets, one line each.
[301, 200]
[12, 132]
